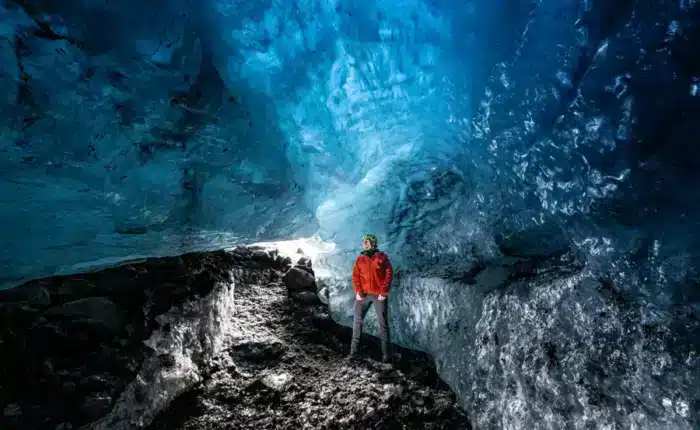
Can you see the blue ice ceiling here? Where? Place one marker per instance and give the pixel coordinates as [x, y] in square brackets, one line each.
[150, 128]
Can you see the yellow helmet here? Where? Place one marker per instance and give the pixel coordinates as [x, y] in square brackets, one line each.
[372, 238]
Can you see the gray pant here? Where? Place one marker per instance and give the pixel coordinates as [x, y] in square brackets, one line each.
[361, 308]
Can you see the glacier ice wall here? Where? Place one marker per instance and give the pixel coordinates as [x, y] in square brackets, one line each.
[132, 130]
[120, 138]
[577, 304]
[443, 126]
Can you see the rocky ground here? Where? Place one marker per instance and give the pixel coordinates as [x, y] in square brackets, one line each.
[285, 368]
[174, 343]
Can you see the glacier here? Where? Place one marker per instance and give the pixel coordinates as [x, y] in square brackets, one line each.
[529, 166]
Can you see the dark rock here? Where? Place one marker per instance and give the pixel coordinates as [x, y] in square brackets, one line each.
[18, 315]
[72, 288]
[267, 352]
[69, 388]
[33, 295]
[39, 297]
[96, 406]
[58, 358]
[98, 310]
[299, 279]
[261, 255]
[289, 357]
[242, 252]
[12, 410]
[284, 261]
[304, 261]
[306, 297]
[117, 359]
[306, 269]
[120, 284]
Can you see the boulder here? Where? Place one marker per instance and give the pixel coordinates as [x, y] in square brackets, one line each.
[33, 295]
[297, 279]
[96, 406]
[306, 297]
[98, 310]
[276, 381]
[283, 261]
[73, 288]
[12, 410]
[304, 261]
[262, 255]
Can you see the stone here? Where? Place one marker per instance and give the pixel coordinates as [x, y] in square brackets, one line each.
[122, 283]
[276, 381]
[311, 385]
[283, 261]
[96, 406]
[242, 252]
[149, 358]
[33, 295]
[68, 388]
[304, 261]
[299, 279]
[92, 309]
[306, 297]
[40, 297]
[12, 410]
[72, 288]
[306, 269]
[261, 255]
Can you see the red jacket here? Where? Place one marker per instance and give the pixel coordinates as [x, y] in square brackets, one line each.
[372, 275]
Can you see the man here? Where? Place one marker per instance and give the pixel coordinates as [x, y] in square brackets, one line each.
[371, 279]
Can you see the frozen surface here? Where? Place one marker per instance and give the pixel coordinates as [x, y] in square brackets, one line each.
[155, 129]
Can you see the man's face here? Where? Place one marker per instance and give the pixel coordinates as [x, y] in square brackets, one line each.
[366, 244]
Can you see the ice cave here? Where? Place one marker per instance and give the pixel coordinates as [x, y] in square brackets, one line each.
[184, 187]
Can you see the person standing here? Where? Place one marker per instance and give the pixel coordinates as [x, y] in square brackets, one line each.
[371, 279]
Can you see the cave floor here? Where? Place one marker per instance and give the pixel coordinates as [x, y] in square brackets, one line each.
[285, 367]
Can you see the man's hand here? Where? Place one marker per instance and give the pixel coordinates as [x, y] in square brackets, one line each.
[381, 297]
[359, 296]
